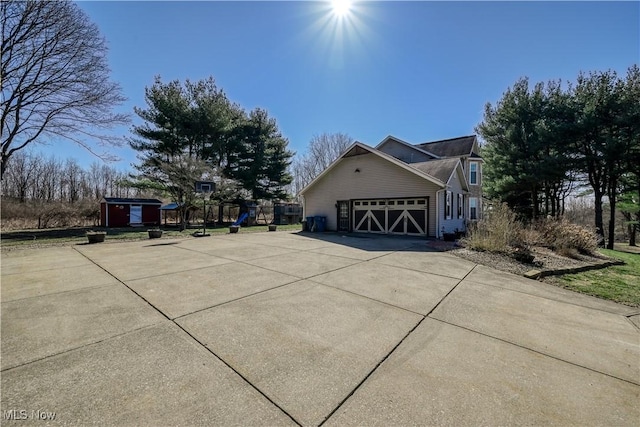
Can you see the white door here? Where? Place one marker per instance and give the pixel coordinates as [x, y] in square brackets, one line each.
[135, 214]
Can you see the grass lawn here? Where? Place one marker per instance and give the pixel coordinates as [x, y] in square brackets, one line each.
[76, 235]
[620, 283]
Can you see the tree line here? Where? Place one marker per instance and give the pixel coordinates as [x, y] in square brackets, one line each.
[547, 142]
[35, 177]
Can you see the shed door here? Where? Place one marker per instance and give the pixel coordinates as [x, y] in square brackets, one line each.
[135, 214]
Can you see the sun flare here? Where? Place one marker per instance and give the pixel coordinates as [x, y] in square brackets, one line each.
[341, 7]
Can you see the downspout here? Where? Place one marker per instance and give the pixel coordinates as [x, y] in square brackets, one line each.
[106, 214]
[438, 212]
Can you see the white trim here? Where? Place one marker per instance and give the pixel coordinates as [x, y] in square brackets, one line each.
[477, 164]
[389, 138]
[380, 154]
[476, 208]
[438, 235]
[460, 169]
[448, 205]
[460, 206]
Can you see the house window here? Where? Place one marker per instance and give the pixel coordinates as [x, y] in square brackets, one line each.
[473, 173]
[447, 211]
[460, 206]
[473, 208]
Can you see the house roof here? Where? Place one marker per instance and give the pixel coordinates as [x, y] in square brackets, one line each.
[415, 147]
[454, 147]
[129, 201]
[441, 169]
[358, 148]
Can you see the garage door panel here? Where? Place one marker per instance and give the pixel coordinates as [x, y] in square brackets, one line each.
[416, 222]
[379, 224]
[395, 216]
[358, 217]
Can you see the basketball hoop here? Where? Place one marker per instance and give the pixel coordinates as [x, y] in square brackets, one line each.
[206, 189]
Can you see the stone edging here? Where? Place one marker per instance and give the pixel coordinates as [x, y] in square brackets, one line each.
[537, 274]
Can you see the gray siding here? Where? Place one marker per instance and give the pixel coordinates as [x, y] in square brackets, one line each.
[404, 153]
[378, 178]
[474, 190]
[450, 225]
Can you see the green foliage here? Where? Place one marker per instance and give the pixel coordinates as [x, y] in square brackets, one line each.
[192, 131]
[262, 158]
[540, 142]
[525, 151]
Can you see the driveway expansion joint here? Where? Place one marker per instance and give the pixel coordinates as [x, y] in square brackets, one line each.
[535, 351]
[192, 337]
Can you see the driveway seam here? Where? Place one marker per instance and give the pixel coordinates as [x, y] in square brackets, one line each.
[81, 346]
[195, 339]
[384, 359]
[535, 351]
[554, 299]
[427, 272]
[237, 373]
[104, 285]
[368, 297]
[239, 298]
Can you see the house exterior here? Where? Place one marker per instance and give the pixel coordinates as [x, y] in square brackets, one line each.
[123, 212]
[423, 189]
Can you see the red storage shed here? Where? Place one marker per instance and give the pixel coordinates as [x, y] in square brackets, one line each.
[122, 212]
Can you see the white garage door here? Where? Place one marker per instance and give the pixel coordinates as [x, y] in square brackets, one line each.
[391, 216]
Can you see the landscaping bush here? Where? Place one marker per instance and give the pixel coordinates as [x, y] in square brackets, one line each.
[566, 238]
[500, 231]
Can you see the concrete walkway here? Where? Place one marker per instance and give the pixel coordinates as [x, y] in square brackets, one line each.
[288, 328]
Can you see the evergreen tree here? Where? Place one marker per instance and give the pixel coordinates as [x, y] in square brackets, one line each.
[263, 160]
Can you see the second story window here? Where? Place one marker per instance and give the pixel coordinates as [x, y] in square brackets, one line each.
[473, 173]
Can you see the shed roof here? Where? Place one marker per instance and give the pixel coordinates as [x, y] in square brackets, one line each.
[130, 201]
[461, 146]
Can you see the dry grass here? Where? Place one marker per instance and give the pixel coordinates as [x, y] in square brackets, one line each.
[501, 232]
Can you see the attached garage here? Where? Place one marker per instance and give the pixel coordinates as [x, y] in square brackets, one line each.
[392, 216]
[368, 191]
[123, 212]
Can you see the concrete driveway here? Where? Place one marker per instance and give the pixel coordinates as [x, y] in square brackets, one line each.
[288, 328]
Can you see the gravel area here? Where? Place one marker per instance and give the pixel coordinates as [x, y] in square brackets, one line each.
[544, 259]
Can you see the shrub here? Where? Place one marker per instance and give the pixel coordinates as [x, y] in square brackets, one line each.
[566, 238]
[499, 231]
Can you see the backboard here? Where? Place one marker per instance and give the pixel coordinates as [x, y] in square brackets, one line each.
[203, 187]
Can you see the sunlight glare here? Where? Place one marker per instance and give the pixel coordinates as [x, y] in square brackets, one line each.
[341, 7]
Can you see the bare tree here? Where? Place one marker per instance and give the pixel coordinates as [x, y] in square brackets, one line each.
[55, 78]
[322, 150]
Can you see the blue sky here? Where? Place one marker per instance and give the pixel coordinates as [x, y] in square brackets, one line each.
[417, 70]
